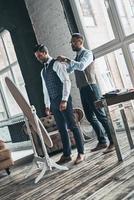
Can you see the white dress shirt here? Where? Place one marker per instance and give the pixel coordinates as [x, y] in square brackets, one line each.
[81, 65]
[60, 69]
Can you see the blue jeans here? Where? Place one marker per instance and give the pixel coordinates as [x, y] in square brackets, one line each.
[89, 94]
[66, 119]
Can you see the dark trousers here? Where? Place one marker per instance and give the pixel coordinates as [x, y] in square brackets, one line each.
[66, 119]
[89, 94]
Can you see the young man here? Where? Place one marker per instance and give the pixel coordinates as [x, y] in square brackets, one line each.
[56, 89]
[83, 67]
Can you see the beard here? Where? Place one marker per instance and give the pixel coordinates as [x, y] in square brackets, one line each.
[76, 48]
[44, 60]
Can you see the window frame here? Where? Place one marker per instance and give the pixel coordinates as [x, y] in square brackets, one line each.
[121, 40]
[8, 68]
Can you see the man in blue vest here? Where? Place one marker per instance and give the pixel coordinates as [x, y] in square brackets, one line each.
[84, 69]
[56, 89]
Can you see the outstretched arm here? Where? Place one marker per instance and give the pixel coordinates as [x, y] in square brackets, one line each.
[81, 65]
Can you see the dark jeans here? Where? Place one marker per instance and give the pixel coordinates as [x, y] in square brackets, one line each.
[89, 94]
[66, 119]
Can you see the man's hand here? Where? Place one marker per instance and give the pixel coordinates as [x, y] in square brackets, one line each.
[63, 105]
[62, 59]
[47, 111]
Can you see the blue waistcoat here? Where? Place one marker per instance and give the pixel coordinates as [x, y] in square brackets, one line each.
[53, 82]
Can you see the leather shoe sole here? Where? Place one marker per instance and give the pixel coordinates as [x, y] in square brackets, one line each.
[80, 158]
[99, 147]
[109, 149]
[64, 159]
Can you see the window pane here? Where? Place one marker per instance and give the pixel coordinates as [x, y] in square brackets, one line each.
[3, 58]
[12, 105]
[9, 46]
[4, 134]
[3, 114]
[112, 72]
[126, 12]
[95, 20]
[19, 80]
[131, 46]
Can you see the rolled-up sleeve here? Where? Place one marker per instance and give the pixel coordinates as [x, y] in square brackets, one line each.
[81, 65]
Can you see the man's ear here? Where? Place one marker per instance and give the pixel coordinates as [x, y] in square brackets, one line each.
[81, 41]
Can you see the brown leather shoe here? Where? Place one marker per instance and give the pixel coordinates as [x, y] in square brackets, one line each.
[110, 148]
[64, 159]
[99, 147]
[80, 158]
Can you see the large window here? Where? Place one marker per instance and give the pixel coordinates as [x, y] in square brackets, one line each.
[108, 26]
[9, 67]
[87, 12]
[112, 72]
[126, 12]
[94, 19]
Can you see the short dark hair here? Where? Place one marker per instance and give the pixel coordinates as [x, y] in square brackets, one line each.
[78, 35]
[41, 48]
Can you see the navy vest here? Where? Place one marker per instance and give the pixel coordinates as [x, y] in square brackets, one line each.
[53, 82]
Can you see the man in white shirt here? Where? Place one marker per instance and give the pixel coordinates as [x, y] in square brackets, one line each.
[56, 89]
[84, 69]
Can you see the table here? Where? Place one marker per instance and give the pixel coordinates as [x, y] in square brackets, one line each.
[112, 100]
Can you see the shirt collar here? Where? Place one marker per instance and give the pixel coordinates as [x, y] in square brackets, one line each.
[49, 60]
[79, 52]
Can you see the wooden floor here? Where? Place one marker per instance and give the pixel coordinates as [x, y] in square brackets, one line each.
[99, 177]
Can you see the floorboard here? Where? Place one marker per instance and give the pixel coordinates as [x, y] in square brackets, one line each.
[99, 177]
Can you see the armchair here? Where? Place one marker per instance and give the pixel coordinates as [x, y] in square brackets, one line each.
[5, 157]
[50, 125]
